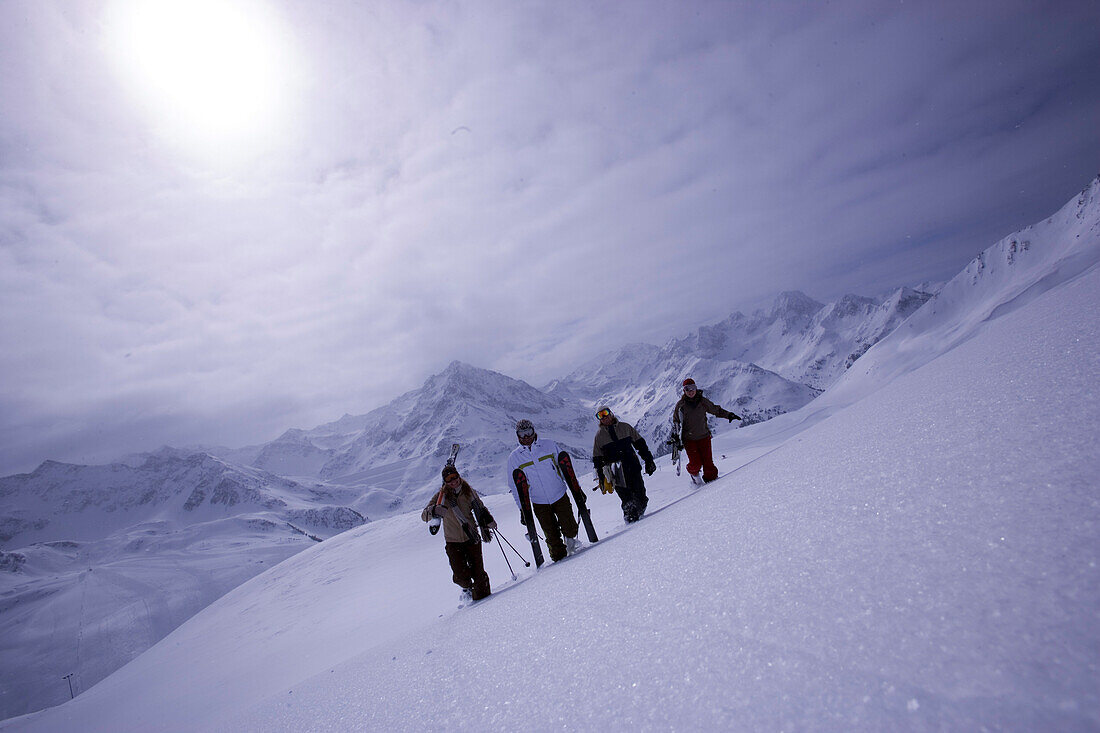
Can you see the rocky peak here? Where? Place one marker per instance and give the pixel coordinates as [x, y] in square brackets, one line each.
[794, 303]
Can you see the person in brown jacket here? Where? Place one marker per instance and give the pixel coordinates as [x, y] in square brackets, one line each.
[466, 524]
[689, 419]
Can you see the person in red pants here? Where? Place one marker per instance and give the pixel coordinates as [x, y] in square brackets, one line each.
[689, 419]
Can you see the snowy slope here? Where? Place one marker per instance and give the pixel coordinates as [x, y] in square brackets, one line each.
[88, 608]
[123, 517]
[1006, 276]
[921, 554]
[101, 562]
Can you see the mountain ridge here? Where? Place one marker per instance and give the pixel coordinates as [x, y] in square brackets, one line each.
[40, 577]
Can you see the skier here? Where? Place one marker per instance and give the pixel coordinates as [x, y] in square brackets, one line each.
[463, 512]
[689, 420]
[616, 442]
[538, 459]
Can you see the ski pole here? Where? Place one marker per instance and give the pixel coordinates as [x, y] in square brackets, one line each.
[521, 557]
[502, 552]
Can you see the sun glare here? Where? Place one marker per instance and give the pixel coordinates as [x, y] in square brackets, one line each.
[212, 71]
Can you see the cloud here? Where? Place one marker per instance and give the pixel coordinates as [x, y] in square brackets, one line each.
[620, 172]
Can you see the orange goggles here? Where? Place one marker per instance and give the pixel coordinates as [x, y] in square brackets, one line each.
[603, 413]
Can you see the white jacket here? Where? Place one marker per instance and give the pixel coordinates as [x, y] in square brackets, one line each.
[539, 463]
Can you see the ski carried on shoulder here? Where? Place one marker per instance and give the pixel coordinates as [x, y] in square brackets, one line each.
[433, 525]
[565, 462]
[524, 489]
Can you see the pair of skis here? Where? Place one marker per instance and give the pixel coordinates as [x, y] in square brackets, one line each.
[677, 446]
[433, 525]
[524, 489]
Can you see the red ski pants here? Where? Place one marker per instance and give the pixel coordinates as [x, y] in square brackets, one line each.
[699, 456]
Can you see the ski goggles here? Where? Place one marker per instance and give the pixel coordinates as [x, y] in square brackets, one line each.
[689, 388]
[605, 412]
[525, 433]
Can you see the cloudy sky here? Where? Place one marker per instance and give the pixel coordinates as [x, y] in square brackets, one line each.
[221, 222]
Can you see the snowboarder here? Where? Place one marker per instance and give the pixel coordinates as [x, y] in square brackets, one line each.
[616, 442]
[466, 524]
[538, 459]
[689, 420]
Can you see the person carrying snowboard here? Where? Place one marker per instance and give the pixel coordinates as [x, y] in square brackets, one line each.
[689, 420]
[538, 459]
[618, 442]
[466, 524]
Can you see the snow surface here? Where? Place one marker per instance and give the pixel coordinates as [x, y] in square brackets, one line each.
[156, 535]
[921, 553]
[98, 563]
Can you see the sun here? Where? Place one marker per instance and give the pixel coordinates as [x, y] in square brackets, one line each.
[210, 71]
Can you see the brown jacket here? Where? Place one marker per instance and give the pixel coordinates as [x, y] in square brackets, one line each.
[458, 508]
[691, 413]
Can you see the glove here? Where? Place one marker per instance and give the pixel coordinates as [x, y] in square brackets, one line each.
[486, 535]
[437, 511]
[731, 417]
[491, 525]
[650, 467]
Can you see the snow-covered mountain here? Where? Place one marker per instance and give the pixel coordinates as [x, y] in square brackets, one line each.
[1004, 277]
[100, 562]
[385, 461]
[63, 501]
[803, 340]
[394, 453]
[642, 383]
[758, 366]
[916, 549]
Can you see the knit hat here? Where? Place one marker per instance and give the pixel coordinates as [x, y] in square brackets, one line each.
[689, 381]
[449, 470]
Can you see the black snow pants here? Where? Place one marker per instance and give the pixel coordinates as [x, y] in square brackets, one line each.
[633, 496]
[468, 568]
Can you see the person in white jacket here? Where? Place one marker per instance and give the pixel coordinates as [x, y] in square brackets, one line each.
[538, 459]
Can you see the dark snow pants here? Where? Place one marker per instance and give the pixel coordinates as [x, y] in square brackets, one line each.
[699, 456]
[632, 495]
[468, 568]
[556, 520]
